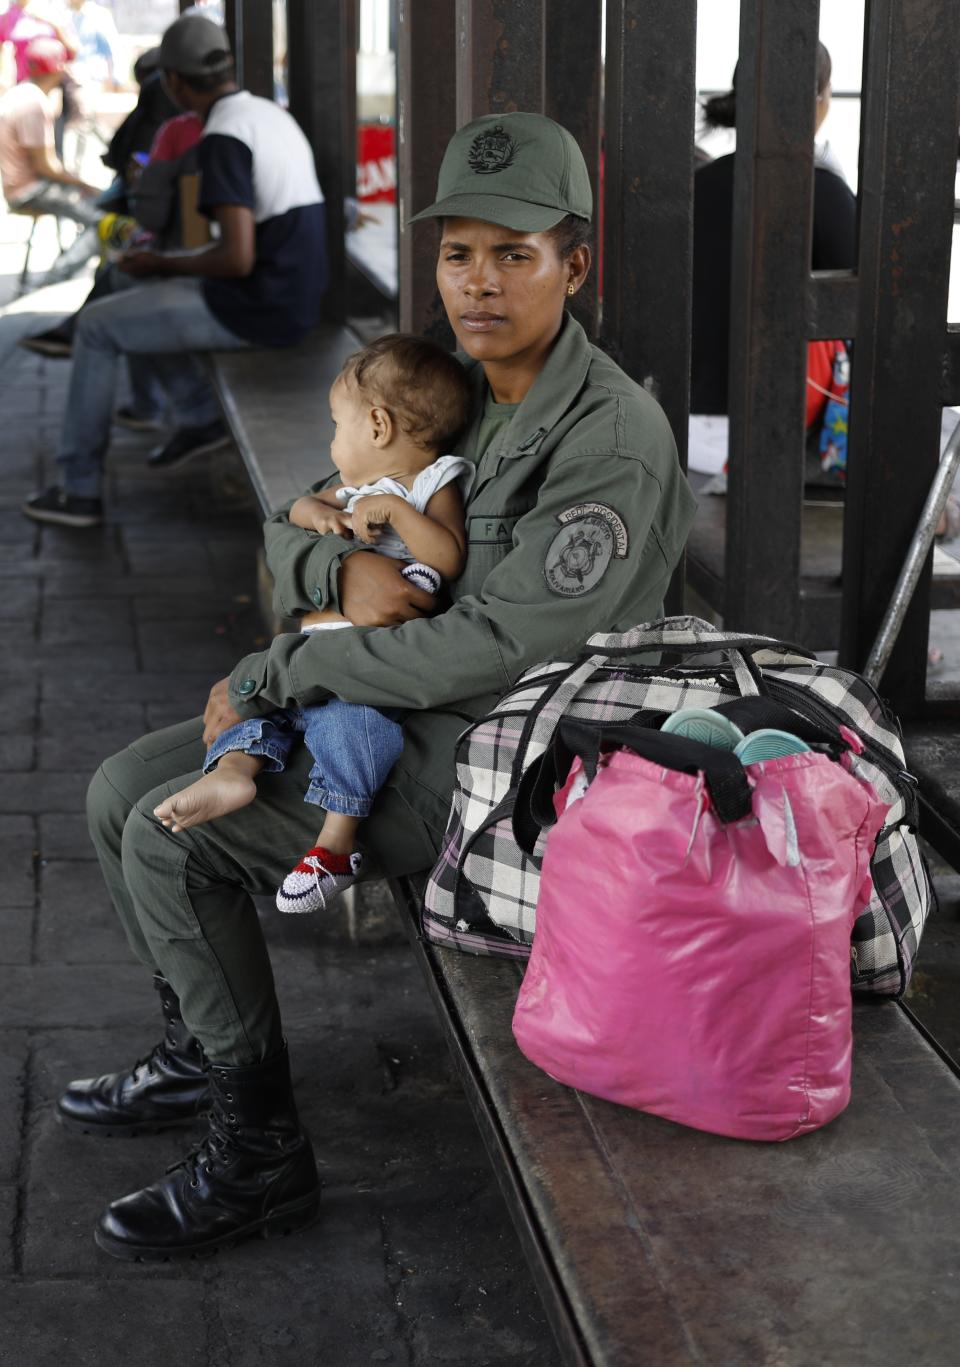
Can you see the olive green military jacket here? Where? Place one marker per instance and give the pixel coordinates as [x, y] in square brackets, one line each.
[577, 516]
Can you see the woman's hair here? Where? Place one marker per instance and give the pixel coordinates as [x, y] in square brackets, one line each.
[720, 111]
[423, 387]
[569, 234]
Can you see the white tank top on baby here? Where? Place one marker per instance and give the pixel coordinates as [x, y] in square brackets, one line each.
[443, 471]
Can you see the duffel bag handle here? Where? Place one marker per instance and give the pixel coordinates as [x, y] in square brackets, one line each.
[685, 635]
[725, 776]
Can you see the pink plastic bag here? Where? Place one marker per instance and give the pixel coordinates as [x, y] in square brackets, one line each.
[695, 968]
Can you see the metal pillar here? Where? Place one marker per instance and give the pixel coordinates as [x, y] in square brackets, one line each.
[648, 216]
[571, 95]
[322, 45]
[908, 154]
[773, 189]
[250, 26]
[648, 210]
[426, 118]
[499, 56]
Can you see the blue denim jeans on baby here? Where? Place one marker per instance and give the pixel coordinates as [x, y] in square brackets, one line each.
[353, 747]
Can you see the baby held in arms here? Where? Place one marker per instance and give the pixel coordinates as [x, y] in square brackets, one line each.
[397, 406]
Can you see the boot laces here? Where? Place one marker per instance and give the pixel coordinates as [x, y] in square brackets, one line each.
[159, 1054]
[213, 1147]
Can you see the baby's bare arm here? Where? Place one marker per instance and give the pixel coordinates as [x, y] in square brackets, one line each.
[321, 513]
[437, 536]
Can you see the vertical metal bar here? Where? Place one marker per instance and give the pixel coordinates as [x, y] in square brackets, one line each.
[909, 132]
[572, 97]
[322, 48]
[773, 189]
[649, 101]
[255, 27]
[426, 118]
[232, 22]
[500, 57]
[249, 26]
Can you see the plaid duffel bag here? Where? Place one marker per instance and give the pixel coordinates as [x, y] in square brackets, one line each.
[482, 894]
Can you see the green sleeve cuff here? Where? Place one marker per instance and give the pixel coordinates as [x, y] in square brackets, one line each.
[246, 681]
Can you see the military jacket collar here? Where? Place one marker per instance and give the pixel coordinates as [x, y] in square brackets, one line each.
[552, 394]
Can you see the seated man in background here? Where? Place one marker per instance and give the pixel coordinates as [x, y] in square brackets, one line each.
[34, 181]
[260, 283]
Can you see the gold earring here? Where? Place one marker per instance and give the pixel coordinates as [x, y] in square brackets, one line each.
[571, 290]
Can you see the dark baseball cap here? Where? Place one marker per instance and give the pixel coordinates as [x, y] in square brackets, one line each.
[195, 46]
[521, 170]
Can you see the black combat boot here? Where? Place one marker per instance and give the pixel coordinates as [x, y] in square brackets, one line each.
[254, 1173]
[168, 1087]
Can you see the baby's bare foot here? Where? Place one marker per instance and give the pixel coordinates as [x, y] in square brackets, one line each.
[221, 791]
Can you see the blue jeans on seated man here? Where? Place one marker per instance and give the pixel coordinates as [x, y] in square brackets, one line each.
[353, 747]
[165, 320]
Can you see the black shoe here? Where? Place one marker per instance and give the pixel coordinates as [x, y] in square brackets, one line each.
[56, 342]
[254, 1173]
[66, 510]
[187, 443]
[129, 417]
[168, 1087]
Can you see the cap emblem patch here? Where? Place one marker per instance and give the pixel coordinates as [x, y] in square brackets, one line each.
[492, 150]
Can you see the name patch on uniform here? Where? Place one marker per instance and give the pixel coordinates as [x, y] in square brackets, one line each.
[491, 531]
[590, 536]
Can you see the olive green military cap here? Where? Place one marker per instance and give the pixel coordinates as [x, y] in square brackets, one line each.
[521, 170]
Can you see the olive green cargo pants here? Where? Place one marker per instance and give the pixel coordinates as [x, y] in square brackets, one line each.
[184, 900]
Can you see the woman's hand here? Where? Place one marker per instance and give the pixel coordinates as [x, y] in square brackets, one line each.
[313, 515]
[372, 514]
[373, 592]
[218, 715]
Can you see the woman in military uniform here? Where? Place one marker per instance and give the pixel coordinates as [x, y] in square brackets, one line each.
[577, 517]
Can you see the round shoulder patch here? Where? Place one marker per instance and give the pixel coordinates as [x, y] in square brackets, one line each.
[578, 556]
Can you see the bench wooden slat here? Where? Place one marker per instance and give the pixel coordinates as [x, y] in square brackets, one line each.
[834, 1248]
[276, 404]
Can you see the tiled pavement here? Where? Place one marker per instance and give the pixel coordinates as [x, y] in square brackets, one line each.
[105, 634]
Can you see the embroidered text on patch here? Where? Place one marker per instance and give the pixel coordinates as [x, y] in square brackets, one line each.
[491, 150]
[621, 540]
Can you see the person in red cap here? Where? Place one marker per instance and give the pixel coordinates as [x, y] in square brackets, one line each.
[20, 26]
[34, 180]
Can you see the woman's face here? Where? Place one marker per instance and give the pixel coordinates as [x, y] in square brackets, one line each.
[503, 291]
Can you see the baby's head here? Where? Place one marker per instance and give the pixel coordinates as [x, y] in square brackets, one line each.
[398, 404]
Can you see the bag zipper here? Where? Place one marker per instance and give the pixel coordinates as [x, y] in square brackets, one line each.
[821, 711]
